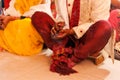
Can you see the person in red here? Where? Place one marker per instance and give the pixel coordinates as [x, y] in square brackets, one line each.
[80, 29]
[115, 22]
[115, 17]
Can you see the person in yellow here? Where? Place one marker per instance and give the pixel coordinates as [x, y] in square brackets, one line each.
[17, 34]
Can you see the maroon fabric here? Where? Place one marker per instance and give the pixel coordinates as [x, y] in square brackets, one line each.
[75, 13]
[94, 39]
[69, 51]
[53, 8]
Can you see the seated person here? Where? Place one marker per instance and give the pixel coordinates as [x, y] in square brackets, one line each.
[115, 17]
[17, 34]
[115, 22]
[87, 34]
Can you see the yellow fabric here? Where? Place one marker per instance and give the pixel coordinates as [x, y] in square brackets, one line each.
[24, 5]
[21, 37]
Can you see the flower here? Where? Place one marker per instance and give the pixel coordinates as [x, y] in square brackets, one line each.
[62, 62]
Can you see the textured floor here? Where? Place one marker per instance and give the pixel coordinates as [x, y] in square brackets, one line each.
[14, 67]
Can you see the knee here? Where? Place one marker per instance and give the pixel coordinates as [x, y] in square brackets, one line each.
[39, 17]
[39, 14]
[104, 26]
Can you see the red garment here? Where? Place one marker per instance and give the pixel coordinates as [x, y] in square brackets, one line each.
[53, 9]
[68, 51]
[75, 13]
[6, 3]
[115, 22]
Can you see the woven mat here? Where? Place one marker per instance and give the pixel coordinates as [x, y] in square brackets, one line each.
[14, 67]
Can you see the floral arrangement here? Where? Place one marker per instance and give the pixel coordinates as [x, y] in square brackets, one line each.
[63, 60]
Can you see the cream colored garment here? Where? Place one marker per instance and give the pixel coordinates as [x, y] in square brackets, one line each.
[117, 46]
[91, 11]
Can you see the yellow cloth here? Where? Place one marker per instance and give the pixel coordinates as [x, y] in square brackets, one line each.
[24, 5]
[21, 37]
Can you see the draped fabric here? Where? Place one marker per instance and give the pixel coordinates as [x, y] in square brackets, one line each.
[63, 64]
[24, 5]
[6, 3]
[53, 8]
[75, 13]
[21, 38]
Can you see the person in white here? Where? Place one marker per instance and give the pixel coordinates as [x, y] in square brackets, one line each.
[74, 36]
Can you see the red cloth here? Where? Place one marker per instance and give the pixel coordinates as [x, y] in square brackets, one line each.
[6, 3]
[53, 9]
[66, 51]
[114, 19]
[75, 13]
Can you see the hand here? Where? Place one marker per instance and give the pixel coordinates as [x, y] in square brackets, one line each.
[57, 28]
[63, 33]
[5, 19]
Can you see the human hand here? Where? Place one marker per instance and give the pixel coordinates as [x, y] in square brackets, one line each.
[57, 28]
[63, 33]
[5, 19]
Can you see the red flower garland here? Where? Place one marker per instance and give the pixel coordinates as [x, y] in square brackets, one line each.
[62, 62]
[63, 59]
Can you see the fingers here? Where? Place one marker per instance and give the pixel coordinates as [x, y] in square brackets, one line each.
[56, 29]
[2, 17]
[61, 35]
[61, 24]
[1, 23]
[5, 19]
[53, 31]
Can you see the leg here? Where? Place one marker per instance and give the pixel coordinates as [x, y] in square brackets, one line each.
[43, 24]
[94, 40]
[60, 62]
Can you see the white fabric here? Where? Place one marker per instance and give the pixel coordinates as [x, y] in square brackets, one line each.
[90, 11]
